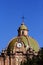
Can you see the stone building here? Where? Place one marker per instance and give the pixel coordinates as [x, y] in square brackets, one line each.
[19, 48]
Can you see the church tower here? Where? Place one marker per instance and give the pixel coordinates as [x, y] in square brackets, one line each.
[19, 48]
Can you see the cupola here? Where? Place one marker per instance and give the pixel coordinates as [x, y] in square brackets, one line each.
[22, 30]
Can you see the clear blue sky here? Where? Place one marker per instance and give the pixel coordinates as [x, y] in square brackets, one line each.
[11, 12]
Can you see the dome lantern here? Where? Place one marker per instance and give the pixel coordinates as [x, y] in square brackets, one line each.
[22, 30]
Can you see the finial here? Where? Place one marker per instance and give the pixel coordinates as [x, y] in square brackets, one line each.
[22, 20]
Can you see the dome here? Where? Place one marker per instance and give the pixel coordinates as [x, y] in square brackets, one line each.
[23, 27]
[27, 41]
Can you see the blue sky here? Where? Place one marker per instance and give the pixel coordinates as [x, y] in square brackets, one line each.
[11, 12]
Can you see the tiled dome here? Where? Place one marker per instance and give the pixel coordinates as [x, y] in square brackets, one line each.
[26, 40]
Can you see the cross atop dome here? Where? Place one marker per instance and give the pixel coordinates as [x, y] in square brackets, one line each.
[23, 20]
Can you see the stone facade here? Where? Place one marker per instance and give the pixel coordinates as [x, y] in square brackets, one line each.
[15, 57]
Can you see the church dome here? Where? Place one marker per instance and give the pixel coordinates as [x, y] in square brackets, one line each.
[27, 40]
[24, 38]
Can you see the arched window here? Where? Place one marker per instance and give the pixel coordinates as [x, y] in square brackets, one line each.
[22, 32]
